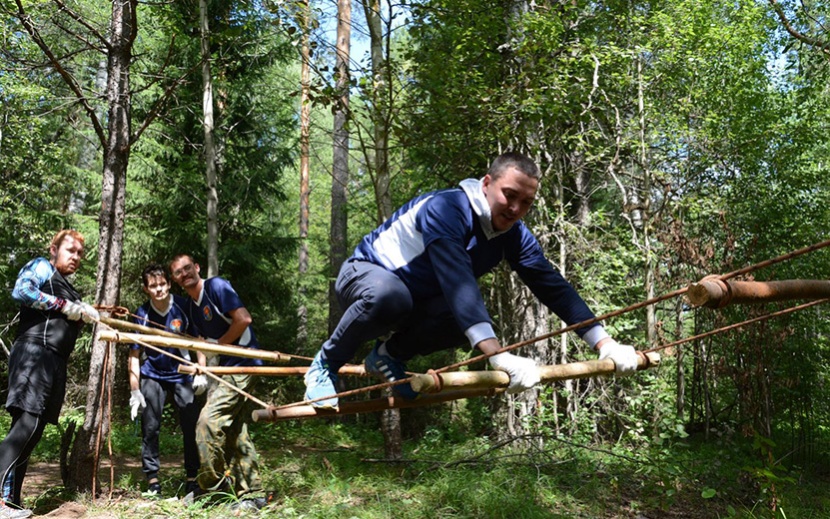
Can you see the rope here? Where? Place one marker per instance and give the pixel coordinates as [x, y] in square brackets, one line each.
[587, 322]
[739, 325]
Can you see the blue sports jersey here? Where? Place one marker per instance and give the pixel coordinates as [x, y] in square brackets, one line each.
[442, 242]
[210, 315]
[175, 319]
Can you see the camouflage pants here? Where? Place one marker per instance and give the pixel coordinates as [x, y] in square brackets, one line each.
[222, 437]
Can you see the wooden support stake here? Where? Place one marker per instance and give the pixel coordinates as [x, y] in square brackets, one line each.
[367, 406]
[469, 380]
[714, 293]
[196, 345]
[267, 371]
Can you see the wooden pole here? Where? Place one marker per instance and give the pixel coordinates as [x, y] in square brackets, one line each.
[267, 371]
[127, 325]
[714, 293]
[470, 380]
[367, 406]
[197, 345]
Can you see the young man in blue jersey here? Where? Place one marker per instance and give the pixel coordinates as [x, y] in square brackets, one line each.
[158, 375]
[227, 454]
[51, 311]
[415, 275]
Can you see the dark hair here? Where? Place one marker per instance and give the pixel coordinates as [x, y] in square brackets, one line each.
[153, 269]
[515, 160]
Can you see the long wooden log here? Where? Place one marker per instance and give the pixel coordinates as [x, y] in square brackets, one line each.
[195, 345]
[268, 371]
[714, 293]
[367, 406]
[469, 380]
[121, 324]
[127, 325]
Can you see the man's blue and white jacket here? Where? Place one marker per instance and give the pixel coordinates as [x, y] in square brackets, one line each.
[442, 242]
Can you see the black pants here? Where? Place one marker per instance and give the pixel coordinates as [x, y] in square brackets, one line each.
[25, 432]
[155, 393]
[376, 302]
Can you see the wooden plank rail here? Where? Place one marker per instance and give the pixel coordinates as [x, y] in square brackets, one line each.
[456, 385]
[714, 293]
[455, 380]
[267, 371]
[367, 406]
[194, 345]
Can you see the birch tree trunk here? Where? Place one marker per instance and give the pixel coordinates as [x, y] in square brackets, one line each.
[382, 84]
[305, 125]
[340, 158]
[84, 456]
[210, 145]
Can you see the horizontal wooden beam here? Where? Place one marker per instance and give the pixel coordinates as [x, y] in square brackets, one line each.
[714, 293]
[193, 344]
[267, 371]
[468, 380]
[303, 412]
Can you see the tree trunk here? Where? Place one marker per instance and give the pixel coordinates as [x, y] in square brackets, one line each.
[210, 146]
[84, 457]
[380, 109]
[305, 125]
[340, 163]
[391, 418]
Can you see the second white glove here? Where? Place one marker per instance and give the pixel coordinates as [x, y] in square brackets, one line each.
[625, 357]
[210, 354]
[524, 373]
[200, 384]
[137, 403]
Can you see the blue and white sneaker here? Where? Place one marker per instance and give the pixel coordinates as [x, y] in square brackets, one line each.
[390, 370]
[319, 382]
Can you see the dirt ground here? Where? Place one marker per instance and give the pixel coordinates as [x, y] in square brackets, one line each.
[42, 477]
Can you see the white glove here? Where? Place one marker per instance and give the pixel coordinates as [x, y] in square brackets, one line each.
[200, 384]
[524, 373]
[72, 310]
[625, 357]
[137, 403]
[210, 354]
[89, 313]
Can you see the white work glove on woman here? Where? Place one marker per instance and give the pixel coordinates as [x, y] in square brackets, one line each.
[624, 357]
[524, 373]
[89, 313]
[200, 384]
[137, 403]
[72, 310]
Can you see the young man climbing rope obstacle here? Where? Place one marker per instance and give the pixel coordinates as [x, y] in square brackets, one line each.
[415, 275]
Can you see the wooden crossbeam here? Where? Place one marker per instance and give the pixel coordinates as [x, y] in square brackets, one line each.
[467, 380]
[267, 371]
[195, 345]
[367, 406]
[454, 385]
[714, 293]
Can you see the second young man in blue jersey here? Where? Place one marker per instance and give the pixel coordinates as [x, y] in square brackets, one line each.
[158, 375]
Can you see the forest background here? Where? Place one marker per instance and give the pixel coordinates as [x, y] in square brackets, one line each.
[677, 138]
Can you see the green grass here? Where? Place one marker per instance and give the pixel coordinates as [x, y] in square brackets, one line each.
[322, 470]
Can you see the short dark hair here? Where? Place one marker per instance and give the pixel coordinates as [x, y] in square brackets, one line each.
[153, 269]
[516, 160]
